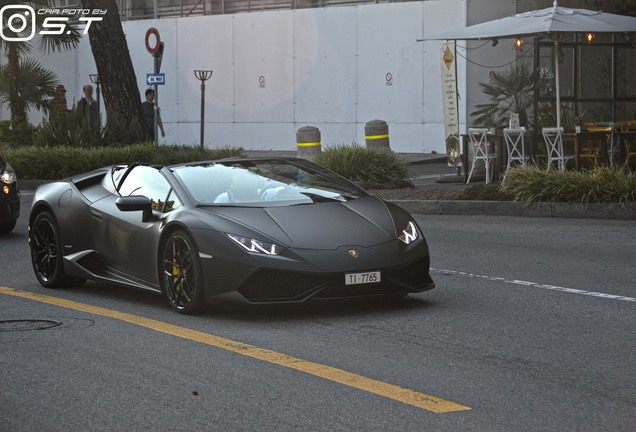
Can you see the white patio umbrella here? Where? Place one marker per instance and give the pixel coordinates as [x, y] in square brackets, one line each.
[551, 23]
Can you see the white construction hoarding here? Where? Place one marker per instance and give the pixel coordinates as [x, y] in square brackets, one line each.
[274, 72]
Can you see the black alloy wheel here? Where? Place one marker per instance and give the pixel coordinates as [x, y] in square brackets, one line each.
[181, 276]
[46, 253]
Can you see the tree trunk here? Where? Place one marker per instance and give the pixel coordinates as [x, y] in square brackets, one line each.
[16, 104]
[115, 69]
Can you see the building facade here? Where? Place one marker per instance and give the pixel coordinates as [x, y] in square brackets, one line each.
[279, 65]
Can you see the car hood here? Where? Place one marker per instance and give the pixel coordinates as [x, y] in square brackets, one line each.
[361, 222]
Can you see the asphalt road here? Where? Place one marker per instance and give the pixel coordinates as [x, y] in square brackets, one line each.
[530, 328]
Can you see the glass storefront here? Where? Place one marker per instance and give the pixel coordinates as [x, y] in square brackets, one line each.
[597, 80]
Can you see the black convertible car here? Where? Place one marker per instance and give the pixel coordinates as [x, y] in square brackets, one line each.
[9, 197]
[258, 231]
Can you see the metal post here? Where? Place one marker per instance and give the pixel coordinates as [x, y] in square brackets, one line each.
[157, 66]
[203, 76]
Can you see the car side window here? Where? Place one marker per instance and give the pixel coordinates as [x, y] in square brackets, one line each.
[147, 181]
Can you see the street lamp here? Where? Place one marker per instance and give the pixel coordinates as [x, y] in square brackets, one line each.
[203, 76]
[95, 80]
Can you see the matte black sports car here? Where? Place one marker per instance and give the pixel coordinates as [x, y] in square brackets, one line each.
[9, 197]
[277, 230]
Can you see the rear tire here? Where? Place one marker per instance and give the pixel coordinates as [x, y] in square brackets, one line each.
[47, 253]
[180, 273]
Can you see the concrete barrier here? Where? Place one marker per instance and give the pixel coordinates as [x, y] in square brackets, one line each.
[308, 142]
[376, 135]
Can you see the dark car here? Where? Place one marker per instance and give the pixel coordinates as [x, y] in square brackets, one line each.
[9, 197]
[257, 231]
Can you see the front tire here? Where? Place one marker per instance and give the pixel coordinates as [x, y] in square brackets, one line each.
[181, 275]
[47, 253]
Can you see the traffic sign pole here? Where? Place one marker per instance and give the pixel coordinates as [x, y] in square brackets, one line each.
[155, 48]
[156, 107]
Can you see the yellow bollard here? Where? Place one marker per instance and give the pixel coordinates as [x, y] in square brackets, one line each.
[376, 135]
[308, 142]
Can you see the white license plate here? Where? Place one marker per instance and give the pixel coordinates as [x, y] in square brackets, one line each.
[362, 278]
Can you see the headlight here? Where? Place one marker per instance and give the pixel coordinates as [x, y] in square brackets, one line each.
[256, 246]
[8, 175]
[409, 234]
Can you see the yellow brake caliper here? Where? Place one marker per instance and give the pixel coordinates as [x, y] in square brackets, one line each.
[176, 271]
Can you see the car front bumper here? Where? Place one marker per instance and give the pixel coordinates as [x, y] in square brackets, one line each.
[9, 203]
[302, 275]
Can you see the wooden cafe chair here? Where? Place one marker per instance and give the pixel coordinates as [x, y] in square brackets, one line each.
[515, 143]
[478, 142]
[553, 138]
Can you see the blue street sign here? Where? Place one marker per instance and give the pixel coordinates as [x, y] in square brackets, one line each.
[155, 78]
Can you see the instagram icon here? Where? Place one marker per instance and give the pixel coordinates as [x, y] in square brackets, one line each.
[18, 19]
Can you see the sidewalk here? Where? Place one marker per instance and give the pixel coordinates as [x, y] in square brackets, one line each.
[432, 171]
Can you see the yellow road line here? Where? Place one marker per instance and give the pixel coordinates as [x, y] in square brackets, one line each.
[394, 392]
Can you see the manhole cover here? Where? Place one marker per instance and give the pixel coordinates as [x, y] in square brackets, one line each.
[26, 325]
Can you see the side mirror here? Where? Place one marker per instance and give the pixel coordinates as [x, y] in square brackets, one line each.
[136, 203]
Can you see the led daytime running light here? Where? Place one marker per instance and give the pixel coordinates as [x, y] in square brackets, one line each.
[409, 234]
[256, 246]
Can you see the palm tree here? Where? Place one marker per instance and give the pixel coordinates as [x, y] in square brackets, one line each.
[34, 87]
[510, 91]
[24, 83]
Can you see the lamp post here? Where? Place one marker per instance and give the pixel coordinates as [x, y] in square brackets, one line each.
[203, 76]
[95, 80]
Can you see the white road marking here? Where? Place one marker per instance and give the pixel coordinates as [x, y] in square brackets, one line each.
[429, 176]
[538, 285]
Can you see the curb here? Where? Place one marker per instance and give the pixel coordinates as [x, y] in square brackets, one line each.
[423, 161]
[513, 208]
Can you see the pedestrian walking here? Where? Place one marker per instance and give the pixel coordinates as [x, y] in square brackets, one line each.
[149, 114]
[88, 110]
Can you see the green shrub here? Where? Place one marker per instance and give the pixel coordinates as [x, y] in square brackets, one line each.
[603, 184]
[64, 131]
[52, 163]
[375, 168]
[17, 135]
[72, 131]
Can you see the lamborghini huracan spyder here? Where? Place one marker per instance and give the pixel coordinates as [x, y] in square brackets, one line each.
[257, 231]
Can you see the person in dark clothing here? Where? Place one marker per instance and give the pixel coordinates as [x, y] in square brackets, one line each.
[149, 114]
[59, 109]
[87, 109]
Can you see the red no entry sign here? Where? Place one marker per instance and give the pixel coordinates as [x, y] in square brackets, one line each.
[152, 40]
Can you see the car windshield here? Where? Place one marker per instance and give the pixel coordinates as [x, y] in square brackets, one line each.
[264, 182]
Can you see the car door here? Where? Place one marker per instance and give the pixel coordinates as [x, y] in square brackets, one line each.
[127, 244]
